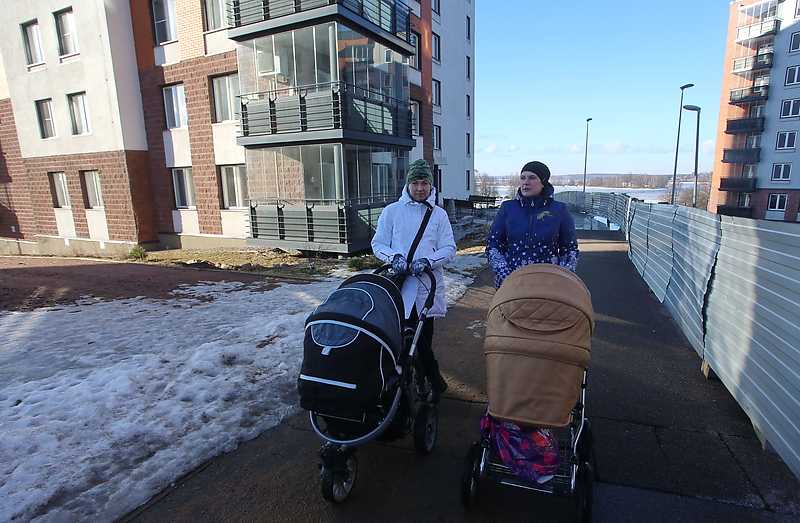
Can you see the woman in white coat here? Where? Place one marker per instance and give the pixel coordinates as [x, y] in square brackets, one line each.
[397, 227]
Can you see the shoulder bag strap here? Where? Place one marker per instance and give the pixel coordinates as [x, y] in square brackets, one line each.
[421, 230]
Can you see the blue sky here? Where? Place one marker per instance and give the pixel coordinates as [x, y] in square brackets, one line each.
[543, 68]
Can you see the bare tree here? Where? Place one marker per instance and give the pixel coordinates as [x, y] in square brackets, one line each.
[485, 185]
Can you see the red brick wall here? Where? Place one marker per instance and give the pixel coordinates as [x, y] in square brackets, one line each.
[423, 94]
[760, 201]
[15, 196]
[143, 37]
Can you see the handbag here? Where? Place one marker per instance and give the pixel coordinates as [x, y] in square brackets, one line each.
[398, 279]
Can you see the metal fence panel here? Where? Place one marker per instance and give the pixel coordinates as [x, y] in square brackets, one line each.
[658, 264]
[637, 237]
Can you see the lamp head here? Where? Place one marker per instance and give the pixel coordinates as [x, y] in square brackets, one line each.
[686, 86]
[691, 108]
[588, 120]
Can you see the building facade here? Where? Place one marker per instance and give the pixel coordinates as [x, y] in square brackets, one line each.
[759, 114]
[188, 123]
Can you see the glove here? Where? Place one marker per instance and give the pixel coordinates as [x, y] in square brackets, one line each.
[418, 267]
[497, 261]
[399, 264]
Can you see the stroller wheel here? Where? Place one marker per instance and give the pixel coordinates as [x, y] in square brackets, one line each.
[585, 492]
[472, 474]
[426, 424]
[338, 481]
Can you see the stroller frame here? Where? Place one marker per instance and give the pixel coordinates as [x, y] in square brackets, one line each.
[574, 477]
[413, 397]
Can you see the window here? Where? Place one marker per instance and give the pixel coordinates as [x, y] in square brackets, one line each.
[790, 108]
[753, 141]
[786, 140]
[79, 113]
[436, 47]
[749, 170]
[469, 107]
[782, 172]
[777, 202]
[234, 186]
[175, 106]
[415, 118]
[164, 21]
[436, 92]
[58, 189]
[92, 195]
[794, 43]
[469, 179]
[33, 43]
[793, 75]
[65, 26]
[756, 111]
[469, 28]
[44, 113]
[413, 60]
[435, 6]
[469, 145]
[744, 199]
[183, 183]
[437, 137]
[469, 68]
[797, 9]
[215, 14]
[225, 94]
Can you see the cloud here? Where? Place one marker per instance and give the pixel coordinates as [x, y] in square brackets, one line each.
[576, 149]
[616, 148]
[708, 147]
[513, 147]
[491, 148]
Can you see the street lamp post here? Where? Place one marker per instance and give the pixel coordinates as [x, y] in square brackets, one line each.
[696, 150]
[586, 153]
[677, 144]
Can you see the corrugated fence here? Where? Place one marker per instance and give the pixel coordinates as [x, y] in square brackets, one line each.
[733, 286]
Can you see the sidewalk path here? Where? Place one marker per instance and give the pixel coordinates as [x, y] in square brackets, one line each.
[670, 445]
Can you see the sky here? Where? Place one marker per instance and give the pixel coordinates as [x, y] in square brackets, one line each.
[95, 422]
[543, 68]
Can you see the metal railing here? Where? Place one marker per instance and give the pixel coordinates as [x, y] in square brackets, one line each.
[735, 210]
[333, 105]
[745, 125]
[758, 61]
[393, 16]
[745, 155]
[749, 94]
[749, 32]
[737, 184]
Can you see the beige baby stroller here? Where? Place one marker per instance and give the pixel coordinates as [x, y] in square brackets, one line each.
[538, 338]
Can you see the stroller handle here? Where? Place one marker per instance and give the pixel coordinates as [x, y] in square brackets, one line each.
[428, 271]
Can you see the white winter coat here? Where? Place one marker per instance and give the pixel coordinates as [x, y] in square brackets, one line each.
[397, 228]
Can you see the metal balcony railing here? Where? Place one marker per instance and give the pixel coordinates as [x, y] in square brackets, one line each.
[760, 29]
[345, 225]
[750, 63]
[392, 16]
[749, 94]
[735, 210]
[746, 155]
[745, 125]
[327, 106]
[737, 184]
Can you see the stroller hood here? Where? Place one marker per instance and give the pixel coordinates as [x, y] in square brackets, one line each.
[538, 338]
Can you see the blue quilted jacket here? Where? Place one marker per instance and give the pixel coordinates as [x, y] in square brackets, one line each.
[531, 230]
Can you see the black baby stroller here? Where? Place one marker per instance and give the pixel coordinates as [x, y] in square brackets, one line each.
[359, 377]
[535, 434]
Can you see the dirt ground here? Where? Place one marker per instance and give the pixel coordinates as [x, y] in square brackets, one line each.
[28, 282]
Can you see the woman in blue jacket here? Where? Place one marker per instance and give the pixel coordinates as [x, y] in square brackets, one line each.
[531, 228]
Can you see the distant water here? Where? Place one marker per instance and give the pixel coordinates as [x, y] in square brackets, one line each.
[648, 195]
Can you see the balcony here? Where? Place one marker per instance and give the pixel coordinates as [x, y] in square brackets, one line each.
[391, 17]
[764, 28]
[747, 155]
[737, 184]
[735, 210]
[749, 94]
[745, 125]
[333, 111]
[752, 63]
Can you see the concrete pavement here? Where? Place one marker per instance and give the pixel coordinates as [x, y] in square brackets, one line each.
[670, 444]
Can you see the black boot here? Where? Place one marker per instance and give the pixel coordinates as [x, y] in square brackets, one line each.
[438, 386]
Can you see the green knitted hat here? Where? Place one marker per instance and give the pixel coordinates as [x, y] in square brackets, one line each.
[419, 170]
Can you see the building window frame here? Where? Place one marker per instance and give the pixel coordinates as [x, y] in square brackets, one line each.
[59, 190]
[46, 118]
[32, 40]
[165, 29]
[437, 137]
[436, 6]
[469, 145]
[786, 140]
[92, 192]
[66, 31]
[794, 42]
[175, 106]
[413, 59]
[79, 113]
[792, 75]
[415, 126]
[183, 186]
[749, 170]
[215, 15]
[790, 108]
[469, 29]
[469, 107]
[469, 179]
[777, 202]
[436, 47]
[781, 172]
[233, 180]
[436, 92]
[225, 98]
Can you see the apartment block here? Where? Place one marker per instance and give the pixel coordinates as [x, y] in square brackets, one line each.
[759, 114]
[186, 123]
